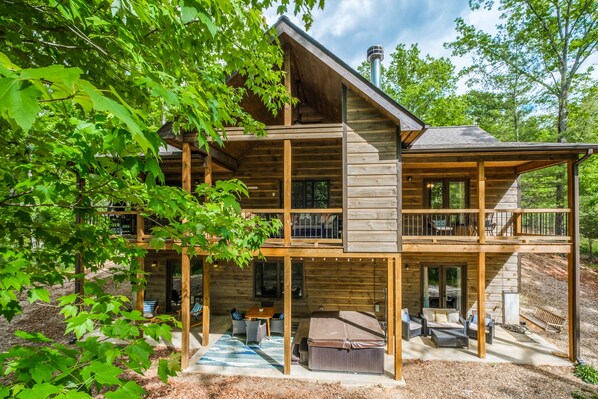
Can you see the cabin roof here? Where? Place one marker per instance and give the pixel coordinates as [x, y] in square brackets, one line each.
[341, 73]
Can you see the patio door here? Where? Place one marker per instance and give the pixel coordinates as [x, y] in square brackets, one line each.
[443, 286]
[174, 286]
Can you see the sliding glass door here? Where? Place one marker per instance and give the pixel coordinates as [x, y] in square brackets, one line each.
[443, 286]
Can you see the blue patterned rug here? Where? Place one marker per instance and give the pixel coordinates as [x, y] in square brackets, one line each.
[232, 352]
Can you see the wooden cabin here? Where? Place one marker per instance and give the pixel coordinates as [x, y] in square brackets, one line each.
[380, 211]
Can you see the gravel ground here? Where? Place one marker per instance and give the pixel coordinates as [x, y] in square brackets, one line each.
[543, 276]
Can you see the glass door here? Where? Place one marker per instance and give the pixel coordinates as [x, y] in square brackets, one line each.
[443, 286]
[174, 286]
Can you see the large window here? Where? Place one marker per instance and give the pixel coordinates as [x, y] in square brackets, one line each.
[269, 279]
[308, 194]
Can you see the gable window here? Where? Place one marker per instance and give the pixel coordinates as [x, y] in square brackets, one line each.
[269, 279]
[308, 194]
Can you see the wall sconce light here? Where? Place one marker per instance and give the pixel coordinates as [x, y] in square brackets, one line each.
[252, 187]
[377, 307]
[409, 179]
[407, 266]
[154, 264]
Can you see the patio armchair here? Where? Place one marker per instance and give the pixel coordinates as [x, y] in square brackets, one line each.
[277, 324]
[472, 326]
[239, 325]
[412, 325]
[255, 331]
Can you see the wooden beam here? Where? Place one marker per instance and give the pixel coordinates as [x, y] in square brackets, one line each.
[398, 304]
[481, 305]
[535, 165]
[573, 279]
[140, 291]
[185, 266]
[288, 110]
[481, 202]
[205, 316]
[390, 306]
[185, 307]
[422, 157]
[287, 314]
[561, 248]
[205, 334]
[287, 192]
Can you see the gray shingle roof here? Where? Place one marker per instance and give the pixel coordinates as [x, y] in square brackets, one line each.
[455, 137]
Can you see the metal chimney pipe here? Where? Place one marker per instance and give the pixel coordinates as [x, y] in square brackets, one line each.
[375, 57]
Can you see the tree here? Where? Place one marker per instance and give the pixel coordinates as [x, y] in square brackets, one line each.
[588, 223]
[546, 42]
[84, 86]
[425, 86]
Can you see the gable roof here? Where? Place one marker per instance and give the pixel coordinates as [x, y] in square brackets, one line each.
[455, 136]
[351, 78]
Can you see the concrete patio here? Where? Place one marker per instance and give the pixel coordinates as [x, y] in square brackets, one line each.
[504, 349]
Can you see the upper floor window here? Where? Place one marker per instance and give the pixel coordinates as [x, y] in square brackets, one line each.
[308, 194]
[446, 193]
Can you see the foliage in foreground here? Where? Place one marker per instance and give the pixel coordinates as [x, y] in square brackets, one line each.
[84, 87]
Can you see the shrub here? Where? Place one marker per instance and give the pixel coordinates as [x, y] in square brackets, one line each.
[586, 373]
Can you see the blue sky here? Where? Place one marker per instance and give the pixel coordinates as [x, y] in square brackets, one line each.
[349, 27]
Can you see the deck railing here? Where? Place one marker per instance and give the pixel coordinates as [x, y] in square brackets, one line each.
[307, 224]
[497, 223]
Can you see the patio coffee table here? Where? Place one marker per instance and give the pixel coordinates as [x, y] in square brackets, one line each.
[449, 338]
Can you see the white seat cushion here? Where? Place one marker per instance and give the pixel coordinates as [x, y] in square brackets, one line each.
[414, 326]
[444, 325]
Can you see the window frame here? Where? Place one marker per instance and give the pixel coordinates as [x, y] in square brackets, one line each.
[304, 193]
[279, 278]
[446, 181]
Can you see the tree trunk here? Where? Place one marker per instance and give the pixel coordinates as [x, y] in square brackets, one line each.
[591, 254]
[560, 193]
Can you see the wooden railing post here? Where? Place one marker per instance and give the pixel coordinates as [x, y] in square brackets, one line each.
[287, 192]
[518, 218]
[481, 202]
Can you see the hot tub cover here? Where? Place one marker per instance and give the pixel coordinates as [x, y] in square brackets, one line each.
[345, 330]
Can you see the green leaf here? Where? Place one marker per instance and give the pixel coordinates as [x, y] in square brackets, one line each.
[130, 390]
[41, 373]
[35, 336]
[103, 373]
[39, 391]
[18, 101]
[39, 294]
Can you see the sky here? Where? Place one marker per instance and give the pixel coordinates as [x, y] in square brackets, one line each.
[349, 27]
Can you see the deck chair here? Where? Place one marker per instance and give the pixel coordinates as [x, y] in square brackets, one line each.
[255, 331]
[238, 322]
[150, 308]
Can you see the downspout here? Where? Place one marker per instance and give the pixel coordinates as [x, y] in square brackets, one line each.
[576, 322]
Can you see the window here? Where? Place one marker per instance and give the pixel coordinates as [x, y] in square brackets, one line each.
[447, 194]
[308, 194]
[269, 279]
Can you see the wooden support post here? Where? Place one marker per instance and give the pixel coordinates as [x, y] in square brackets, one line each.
[186, 267]
[481, 305]
[288, 110]
[287, 314]
[481, 202]
[205, 334]
[140, 294]
[390, 306]
[140, 227]
[573, 262]
[287, 192]
[517, 223]
[398, 303]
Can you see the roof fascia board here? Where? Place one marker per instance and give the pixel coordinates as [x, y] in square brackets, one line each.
[400, 116]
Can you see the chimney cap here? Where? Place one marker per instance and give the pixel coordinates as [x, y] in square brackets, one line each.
[375, 52]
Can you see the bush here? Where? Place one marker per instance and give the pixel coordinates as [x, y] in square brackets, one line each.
[586, 373]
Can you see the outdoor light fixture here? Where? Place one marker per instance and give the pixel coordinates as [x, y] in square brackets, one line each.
[406, 266]
[377, 307]
[409, 179]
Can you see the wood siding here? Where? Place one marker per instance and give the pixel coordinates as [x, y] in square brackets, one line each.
[501, 276]
[371, 179]
[262, 167]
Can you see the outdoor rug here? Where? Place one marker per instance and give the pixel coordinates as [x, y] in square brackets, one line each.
[231, 351]
[518, 332]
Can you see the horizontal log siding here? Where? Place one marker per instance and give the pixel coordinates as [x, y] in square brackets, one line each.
[501, 186]
[331, 284]
[262, 167]
[501, 275]
[371, 176]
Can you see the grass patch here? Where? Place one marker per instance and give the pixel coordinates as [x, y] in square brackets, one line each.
[586, 373]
